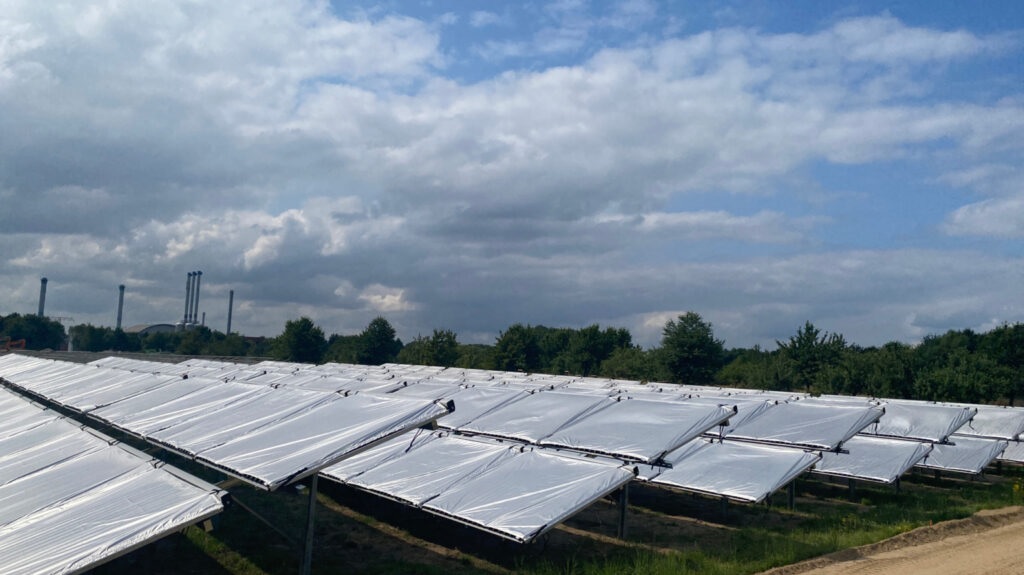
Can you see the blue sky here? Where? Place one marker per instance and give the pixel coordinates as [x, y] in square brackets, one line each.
[469, 165]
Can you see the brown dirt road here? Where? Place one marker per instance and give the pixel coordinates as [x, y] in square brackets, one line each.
[987, 543]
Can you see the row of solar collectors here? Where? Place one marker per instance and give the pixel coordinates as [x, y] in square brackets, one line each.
[179, 412]
[874, 460]
[72, 499]
[613, 422]
[388, 377]
[268, 436]
[919, 421]
[640, 430]
[953, 427]
[742, 471]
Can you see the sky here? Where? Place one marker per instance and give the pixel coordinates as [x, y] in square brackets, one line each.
[469, 165]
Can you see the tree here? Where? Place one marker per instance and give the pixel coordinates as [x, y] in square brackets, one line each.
[809, 352]
[378, 343]
[517, 349]
[1005, 345]
[226, 345]
[38, 332]
[444, 347]
[125, 342]
[87, 337]
[590, 346]
[475, 356]
[891, 371]
[689, 351]
[630, 362]
[301, 341]
[194, 341]
[343, 348]
[441, 348]
[750, 368]
[416, 352]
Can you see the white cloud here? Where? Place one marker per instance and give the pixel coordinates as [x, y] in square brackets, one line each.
[763, 227]
[386, 299]
[886, 40]
[324, 164]
[1002, 218]
[482, 18]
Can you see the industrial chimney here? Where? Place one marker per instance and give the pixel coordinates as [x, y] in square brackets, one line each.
[120, 304]
[231, 305]
[188, 298]
[42, 296]
[195, 297]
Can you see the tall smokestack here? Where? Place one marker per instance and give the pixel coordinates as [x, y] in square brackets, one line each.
[120, 304]
[42, 296]
[195, 298]
[188, 296]
[231, 305]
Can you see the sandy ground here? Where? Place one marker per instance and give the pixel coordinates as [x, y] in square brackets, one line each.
[989, 543]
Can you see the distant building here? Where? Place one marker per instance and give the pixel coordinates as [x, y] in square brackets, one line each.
[148, 328]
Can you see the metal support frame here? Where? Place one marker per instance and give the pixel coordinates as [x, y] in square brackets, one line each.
[623, 507]
[853, 489]
[791, 495]
[284, 535]
[307, 554]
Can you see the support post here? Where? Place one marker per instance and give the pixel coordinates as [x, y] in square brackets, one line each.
[791, 495]
[307, 555]
[897, 482]
[623, 506]
[853, 489]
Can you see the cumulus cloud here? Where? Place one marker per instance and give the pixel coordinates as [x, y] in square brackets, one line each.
[386, 299]
[324, 163]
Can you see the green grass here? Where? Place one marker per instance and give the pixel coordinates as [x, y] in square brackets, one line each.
[824, 521]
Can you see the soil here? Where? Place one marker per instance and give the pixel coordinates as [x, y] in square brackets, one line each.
[987, 543]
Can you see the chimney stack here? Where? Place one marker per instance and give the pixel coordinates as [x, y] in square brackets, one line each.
[231, 305]
[195, 297]
[120, 304]
[42, 296]
[188, 297]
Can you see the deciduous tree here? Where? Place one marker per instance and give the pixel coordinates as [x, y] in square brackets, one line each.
[302, 341]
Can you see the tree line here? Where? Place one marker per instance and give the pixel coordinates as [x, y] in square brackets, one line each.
[960, 365]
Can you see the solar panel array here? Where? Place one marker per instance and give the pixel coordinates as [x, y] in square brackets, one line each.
[513, 491]
[960, 438]
[72, 499]
[735, 470]
[521, 452]
[266, 435]
[877, 459]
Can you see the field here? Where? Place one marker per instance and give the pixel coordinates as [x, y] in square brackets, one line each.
[667, 532]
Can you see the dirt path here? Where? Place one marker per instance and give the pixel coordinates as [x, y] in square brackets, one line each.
[987, 543]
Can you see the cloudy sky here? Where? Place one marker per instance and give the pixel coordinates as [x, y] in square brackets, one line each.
[469, 165]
